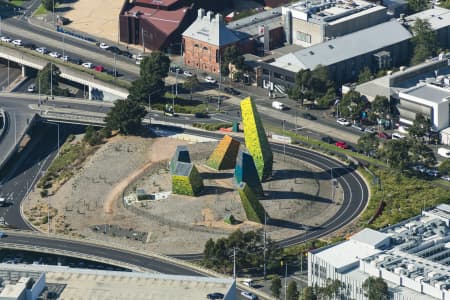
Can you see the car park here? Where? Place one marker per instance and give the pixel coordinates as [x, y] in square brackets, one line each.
[209, 79]
[54, 54]
[42, 50]
[309, 116]
[343, 122]
[188, 73]
[213, 296]
[103, 46]
[17, 42]
[249, 295]
[88, 65]
[31, 88]
[342, 145]
[231, 91]
[6, 39]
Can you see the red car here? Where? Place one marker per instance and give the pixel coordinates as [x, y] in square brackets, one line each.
[99, 68]
[341, 145]
[383, 135]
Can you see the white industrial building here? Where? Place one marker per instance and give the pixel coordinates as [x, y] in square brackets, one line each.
[430, 100]
[413, 257]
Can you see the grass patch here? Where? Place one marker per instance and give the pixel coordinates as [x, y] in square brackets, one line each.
[16, 2]
[212, 126]
[96, 75]
[40, 11]
[182, 106]
[63, 167]
[405, 197]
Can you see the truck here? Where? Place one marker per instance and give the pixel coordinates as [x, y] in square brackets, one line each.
[444, 152]
[278, 105]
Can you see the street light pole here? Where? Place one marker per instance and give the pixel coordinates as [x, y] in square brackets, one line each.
[264, 250]
[51, 81]
[234, 263]
[285, 283]
[53, 12]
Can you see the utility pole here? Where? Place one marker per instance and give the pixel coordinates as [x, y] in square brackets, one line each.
[115, 69]
[0, 25]
[54, 13]
[173, 102]
[39, 89]
[285, 283]
[234, 263]
[51, 81]
[176, 83]
[63, 41]
[264, 249]
[284, 143]
[15, 129]
[143, 41]
[8, 72]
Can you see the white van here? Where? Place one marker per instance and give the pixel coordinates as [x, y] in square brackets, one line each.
[248, 282]
[397, 136]
[444, 152]
[278, 105]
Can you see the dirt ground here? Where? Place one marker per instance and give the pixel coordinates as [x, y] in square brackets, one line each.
[99, 17]
[296, 198]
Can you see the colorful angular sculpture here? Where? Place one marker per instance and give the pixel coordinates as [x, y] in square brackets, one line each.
[224, 156]
[181, 155]
[253, 209]
[245, 171]
[255, 139]
[186, 179]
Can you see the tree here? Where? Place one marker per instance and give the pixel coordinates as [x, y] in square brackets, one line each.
[275, 287]
[444, 167]
[417, 5]
[46, 81]
[191, 83]
[375, 288]
[153, 69]
[368, 143]
[208, 252]
[424, 41]
[381, 105]
[364, 75]
[308, 294]
[328, 99]
[125, 116]
[311, 85]
[396, 153]
[48, 4]
[421, 153]
[420, 126]
[231, 55]
[352, 104]
[292, 291]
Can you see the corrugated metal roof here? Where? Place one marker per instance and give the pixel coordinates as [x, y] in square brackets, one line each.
[345, 47]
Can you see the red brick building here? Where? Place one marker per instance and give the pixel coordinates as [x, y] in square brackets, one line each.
[157, 24]
[205, 40]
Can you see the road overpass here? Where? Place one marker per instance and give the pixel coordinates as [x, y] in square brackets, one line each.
[32, 59]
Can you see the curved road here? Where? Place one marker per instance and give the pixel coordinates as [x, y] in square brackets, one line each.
[355, 198]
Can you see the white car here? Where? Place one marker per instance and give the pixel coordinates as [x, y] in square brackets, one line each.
[249, 295]
[370, 130]
[6, 39]
[17, 42]
[88, 65]
[343, 122]
[209, 79]
[188, 73]
[42, 50]
[446, 178]
[54, 54]
[64, 58]
[103, 46]
[31, 88]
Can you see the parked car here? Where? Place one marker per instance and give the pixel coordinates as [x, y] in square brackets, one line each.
[358, 126]
[3, 234]
[419, 168]
[64, 58]
[99, 68]
[209, 79]
[343, 122]
[88, 65]
[29, 46]
[249, 295]
[42, 50]
[231, 91]
[188, 73]
[126, 54]
[6, 39]
[17, 42]
[309, 116]
[327, 139]
[31, 88]
[445, 177]
[175, 69]
[103, 46]
[201, 115]
[113, 73]
[370, 130]
[76, 61]
[54, 54]
[432, 173]
[383, 135]
[215, 296]
[342, 145]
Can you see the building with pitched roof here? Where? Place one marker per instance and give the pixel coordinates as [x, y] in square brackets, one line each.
[345, 56]
[205, 40]
[155, 24]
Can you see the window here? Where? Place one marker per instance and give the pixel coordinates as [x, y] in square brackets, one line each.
[304, 37]
[205, 48]
[196, 45]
